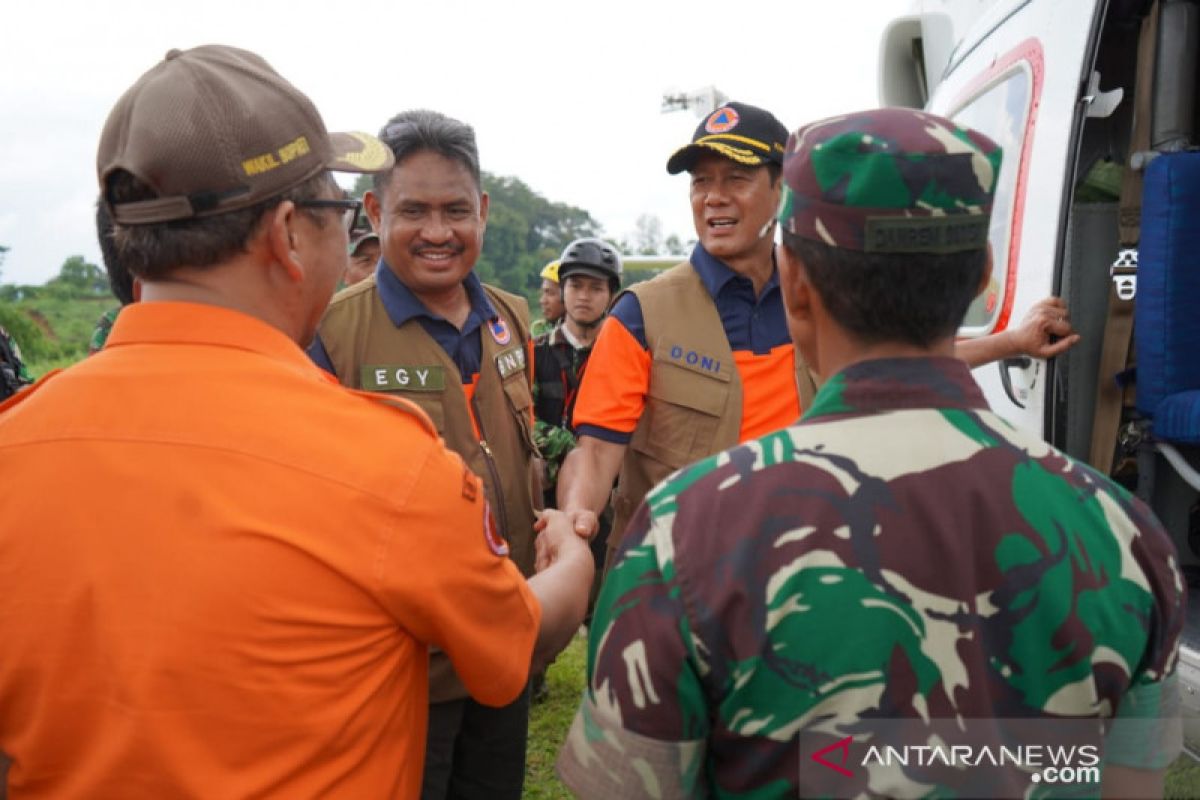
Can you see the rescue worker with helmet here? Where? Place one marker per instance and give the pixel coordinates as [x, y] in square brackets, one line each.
[589, 277]
[550, 301]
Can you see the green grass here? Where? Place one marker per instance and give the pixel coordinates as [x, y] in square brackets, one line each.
[39, 368]
[1183, 779]
[53, 331]
[550, 720]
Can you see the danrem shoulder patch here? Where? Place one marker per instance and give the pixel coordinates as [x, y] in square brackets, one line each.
[890, 180]
[392, 377]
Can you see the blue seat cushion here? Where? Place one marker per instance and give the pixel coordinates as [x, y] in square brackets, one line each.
[1167, 307]
[1177, 418]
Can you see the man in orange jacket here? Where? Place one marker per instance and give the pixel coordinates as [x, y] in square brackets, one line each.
[235, 602]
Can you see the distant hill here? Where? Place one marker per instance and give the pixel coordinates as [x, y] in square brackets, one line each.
[52, 328]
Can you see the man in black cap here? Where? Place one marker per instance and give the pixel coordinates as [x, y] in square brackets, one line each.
[699, 359]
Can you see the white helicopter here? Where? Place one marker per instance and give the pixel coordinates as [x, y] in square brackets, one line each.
[1094, 102]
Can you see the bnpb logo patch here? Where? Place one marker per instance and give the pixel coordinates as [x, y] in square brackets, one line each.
[495, 541]
[499, 331]
[722, 120]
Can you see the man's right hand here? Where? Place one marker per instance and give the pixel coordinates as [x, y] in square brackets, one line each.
[584, 522]
[586, 480]
[556, 538]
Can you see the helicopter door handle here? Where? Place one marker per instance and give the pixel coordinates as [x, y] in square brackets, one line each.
[1017, 362]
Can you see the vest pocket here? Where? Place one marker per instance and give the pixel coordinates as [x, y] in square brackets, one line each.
[683, 412]
[520, 401]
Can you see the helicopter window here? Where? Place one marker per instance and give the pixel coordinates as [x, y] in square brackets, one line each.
[1000, 110]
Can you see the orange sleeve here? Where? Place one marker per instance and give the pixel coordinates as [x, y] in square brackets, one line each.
[612, 395]
[450, 583]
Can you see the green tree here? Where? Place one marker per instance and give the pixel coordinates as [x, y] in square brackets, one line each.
[78, 277]
[524, 231]
[3, 251]
[363, 183]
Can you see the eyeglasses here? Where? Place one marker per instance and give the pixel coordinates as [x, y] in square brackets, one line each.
[350, 209]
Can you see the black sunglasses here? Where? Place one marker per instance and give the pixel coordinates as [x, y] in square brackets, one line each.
[351, 208]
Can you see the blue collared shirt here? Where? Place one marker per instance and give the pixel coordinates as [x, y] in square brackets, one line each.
[757, 324]
[463, 346]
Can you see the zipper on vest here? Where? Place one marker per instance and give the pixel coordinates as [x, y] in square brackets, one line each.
[490, 459]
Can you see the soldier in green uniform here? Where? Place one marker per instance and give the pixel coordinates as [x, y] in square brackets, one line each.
[13, 375]
[901, 567]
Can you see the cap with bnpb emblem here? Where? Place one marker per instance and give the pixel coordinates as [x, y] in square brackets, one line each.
[740, 132]
[890, 180]
[215, 129]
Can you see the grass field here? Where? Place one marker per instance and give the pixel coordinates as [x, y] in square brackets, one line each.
[1183, 779]
[52, 331]
[550, 720]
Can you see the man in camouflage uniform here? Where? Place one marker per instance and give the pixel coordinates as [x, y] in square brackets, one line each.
[13, 375]
[901, 559]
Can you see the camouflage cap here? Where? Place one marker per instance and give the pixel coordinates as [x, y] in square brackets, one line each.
[358, 241]
[890, 180]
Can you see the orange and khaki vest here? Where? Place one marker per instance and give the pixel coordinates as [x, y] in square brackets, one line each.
[692, 410]
[369, 352]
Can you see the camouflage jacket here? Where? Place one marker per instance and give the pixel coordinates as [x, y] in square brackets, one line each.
[104, 327]
[901, 563]
[13, 373]
[540, 327]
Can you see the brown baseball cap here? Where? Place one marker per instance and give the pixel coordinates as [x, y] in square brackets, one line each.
[214, 129]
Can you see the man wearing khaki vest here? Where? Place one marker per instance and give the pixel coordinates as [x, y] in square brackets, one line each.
[699, 358]
[425, 328]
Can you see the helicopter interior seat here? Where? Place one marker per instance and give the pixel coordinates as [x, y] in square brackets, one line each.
[1167, 341]
[1167, 305]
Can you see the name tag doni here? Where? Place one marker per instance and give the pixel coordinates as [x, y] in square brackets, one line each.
[694, 360]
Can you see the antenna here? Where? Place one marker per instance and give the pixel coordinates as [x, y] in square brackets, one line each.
[702, 101]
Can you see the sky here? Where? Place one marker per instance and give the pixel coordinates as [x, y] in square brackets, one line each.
[564, 95]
